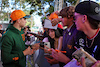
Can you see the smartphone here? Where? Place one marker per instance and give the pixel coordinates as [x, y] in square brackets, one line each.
[47, 44]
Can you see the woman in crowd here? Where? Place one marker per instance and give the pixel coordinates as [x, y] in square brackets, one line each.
[55, 39]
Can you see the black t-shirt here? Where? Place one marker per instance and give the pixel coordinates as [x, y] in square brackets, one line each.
[92, 47]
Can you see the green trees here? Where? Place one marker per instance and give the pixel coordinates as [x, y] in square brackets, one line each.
[36, 6]
[28, 6]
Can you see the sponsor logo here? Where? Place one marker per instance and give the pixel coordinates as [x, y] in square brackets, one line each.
[81, 42]
[23, 37]
[69, 46]
[97, 10]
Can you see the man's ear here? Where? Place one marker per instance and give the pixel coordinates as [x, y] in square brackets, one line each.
[84, 19]
[18, 20]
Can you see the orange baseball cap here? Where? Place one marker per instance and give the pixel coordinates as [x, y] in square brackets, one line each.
[17, 14]
[53, 16]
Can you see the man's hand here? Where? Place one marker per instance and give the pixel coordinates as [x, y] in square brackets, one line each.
[57, 12]
[36, 46]
[0, 35]
[97, 64]
[55, 21]
[51, 61]
[83, 62]
[28, 51]
[60, 56]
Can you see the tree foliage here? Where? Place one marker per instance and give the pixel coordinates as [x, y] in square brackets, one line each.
[41, 4]
[36, 5]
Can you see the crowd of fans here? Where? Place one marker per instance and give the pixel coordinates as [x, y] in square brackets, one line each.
[83, 31]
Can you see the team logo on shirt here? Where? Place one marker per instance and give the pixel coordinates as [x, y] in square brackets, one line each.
[23, 37]
[15, 58]
[81, 42]
[69, 46]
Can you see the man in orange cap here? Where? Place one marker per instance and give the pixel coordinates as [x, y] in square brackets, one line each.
[13, 42]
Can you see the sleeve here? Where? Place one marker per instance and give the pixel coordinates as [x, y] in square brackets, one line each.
[60, 42]
[45, 39]
[6, 51]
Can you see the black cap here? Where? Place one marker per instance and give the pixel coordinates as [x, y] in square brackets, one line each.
[90, 8]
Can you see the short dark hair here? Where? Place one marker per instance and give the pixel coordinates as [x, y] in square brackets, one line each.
[93, 23]
[14, 21]
[10, 21]
[67, 12]
[58, 32]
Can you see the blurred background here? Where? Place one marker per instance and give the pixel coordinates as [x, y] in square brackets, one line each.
[36, 8]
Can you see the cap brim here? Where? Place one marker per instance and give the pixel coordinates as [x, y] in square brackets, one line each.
[27, 16]
[95, 17]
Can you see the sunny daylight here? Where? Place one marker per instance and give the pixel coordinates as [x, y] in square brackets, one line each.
[49, 33]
